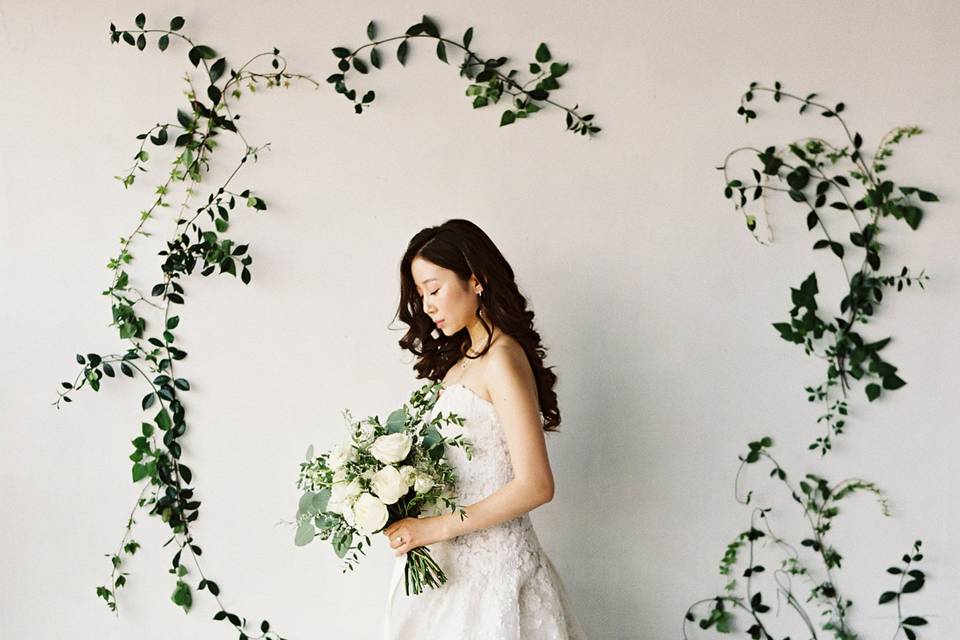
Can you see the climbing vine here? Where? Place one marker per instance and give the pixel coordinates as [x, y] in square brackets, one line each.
[835, 184]
[489, 82]
[199, 241]
[811, 171]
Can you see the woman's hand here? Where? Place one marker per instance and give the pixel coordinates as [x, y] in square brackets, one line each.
[415, 532]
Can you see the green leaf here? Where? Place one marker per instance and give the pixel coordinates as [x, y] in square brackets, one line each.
[162, 419]
[467, 37]
[543, 53]
[914, 621]
[139, 472]
[913, 585]
[375, 58]
[341, 52]
[402, 52]
[182, 596]
[873, 391]
[508, 117]
[163, 42]
[430, 27]
[141, 20]
[372, 30]
[557, 69]
[341, 542]
[359, 65]
[217, 69]
[396, 420]
[176, 23]
[892, 381]
[201, 52]
[442, 51]
[141, 42]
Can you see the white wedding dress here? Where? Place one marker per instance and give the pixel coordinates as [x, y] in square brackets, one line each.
[500, 583]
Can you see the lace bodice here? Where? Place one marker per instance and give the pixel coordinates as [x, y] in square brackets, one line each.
[501, 584]
[490, 467]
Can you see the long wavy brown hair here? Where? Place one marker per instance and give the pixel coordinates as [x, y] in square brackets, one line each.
[463, 247]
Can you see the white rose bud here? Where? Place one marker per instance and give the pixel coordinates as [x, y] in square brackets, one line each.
[388, 485]
[369, 513]
[407, 474]
[423, 483]
[391, 448]
[340, 455]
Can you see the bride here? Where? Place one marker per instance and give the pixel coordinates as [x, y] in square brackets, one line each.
[470, 328]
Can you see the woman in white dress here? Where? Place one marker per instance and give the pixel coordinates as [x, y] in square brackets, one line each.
[470, 328]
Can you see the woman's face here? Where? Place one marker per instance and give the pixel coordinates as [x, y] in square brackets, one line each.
[448, 303]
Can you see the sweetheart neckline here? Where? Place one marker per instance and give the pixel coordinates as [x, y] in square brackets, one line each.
[468, 389]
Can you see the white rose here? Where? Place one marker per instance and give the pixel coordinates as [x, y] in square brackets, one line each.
[369, 513]
[342, 496]
[349, 516]
[391, 448]
[388, 485]
[340, 455]
[340, 475]
[408, 473]
[423, 483]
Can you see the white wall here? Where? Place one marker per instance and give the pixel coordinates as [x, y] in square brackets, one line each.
[654, 300]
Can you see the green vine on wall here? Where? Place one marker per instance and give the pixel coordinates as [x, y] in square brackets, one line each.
[489, 82]
[199, 241]
[810, 171]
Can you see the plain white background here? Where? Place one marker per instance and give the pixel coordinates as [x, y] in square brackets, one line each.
[653, 299]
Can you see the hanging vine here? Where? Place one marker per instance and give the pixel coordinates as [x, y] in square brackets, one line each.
[811, 171]
[489, 81]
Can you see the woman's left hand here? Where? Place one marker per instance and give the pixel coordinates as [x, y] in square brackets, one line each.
[415, 532]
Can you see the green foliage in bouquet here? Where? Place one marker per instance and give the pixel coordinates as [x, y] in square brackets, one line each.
[810, 171]
[489, 80]
[391, 470]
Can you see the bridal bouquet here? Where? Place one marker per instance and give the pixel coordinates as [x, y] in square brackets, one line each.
[380, 474]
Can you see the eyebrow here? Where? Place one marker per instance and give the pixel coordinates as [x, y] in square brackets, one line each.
[427, 280]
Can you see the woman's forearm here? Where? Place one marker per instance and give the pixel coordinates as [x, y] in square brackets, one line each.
[510, 501]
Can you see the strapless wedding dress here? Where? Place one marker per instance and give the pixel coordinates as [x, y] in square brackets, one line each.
[500, 583]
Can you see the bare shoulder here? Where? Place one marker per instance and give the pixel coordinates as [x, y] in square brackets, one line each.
[507, 370]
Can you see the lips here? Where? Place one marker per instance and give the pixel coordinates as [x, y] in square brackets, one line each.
[438, 322]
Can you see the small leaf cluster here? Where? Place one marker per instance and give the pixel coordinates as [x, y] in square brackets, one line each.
[917, 578]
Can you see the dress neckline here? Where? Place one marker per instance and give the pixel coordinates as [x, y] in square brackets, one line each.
[466, 388]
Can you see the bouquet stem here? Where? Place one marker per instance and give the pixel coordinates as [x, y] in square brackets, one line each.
[421, 570]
